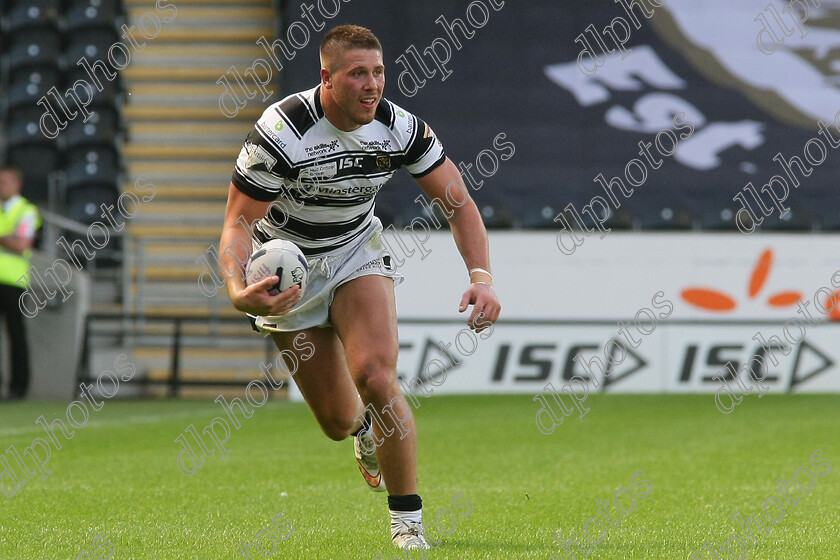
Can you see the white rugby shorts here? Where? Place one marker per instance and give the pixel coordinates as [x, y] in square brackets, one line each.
[365, 256]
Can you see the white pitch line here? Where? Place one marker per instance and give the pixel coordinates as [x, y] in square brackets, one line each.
[147, 419]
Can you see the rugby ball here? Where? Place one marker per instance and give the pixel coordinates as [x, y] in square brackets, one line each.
[281, 258]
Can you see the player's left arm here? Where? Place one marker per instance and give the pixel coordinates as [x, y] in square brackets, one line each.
[470, 238]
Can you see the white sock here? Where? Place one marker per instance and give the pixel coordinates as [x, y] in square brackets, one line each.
[401, 518]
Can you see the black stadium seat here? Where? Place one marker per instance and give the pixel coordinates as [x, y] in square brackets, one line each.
[33, 49]
[497, 216]
[35, 154]
[41, 42]
[542, 218]
[92, 14]
[92, 166]
[83, 203]
[33, 15]
[664, 217]
[25, 93]
[822, 204]
[100, 130]
[47, 74]
[720, 218]
[115, 6]
[92, 43]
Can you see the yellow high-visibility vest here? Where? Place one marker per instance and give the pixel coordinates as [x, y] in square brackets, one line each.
[12, 265]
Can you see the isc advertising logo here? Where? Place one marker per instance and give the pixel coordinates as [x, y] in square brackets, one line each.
[682, 358]
[704, 363]
[679, 357]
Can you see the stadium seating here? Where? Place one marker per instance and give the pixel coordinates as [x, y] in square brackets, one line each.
[82, 203]
[32, 15]
[26, 92]
[41, 42]
[101, 129]
[93, 14]
[92, 166]
[35, 154]
[33, 48]
[660, 216]
[93, 44]
[44, 76]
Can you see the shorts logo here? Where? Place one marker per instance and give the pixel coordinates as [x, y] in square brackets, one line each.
[387, 265]
[382, 264]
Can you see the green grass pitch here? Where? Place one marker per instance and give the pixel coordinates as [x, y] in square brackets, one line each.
[118, 476]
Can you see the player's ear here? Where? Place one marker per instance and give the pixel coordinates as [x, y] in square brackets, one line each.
[326, 80]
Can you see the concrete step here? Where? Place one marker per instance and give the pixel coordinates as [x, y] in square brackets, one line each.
[187, 213]
[218, 362]
[199, 333]
[206, 172]
[219, 55]
[201, 94]
[193, 311]
[190, 33]
[210, 393]
[207, 74]
[182, 131]
[150, 4]
[182, 152]
[164, 249]
[169, 273]
[163, 352]
[175, 208]
[243, 374]
[188, 191]
[139, 112]
[201, 31]
[174, 230]
[236, 14]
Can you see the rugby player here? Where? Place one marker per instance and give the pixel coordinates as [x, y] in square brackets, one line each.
[308, 172]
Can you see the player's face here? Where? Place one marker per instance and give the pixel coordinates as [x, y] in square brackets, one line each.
[356, 87]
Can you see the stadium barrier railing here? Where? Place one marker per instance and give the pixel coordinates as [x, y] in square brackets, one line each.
[127, 332]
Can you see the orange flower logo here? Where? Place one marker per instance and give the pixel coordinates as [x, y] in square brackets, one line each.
[714, 300]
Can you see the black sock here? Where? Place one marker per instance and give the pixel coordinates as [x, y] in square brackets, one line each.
[409, 502]
[365, 425]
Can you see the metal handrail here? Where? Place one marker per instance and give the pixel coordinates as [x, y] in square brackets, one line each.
[83, 370]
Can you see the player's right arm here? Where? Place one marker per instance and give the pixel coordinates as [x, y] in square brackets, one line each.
[253, 299]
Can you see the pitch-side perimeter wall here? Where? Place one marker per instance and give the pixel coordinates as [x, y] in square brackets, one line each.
[678, 308]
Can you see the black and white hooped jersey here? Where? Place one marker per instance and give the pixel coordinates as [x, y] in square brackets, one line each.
[323, 180]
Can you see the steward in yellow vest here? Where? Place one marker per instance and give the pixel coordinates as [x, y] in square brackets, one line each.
[18, 221]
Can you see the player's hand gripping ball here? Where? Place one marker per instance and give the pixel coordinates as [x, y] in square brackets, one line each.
[281, 258]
